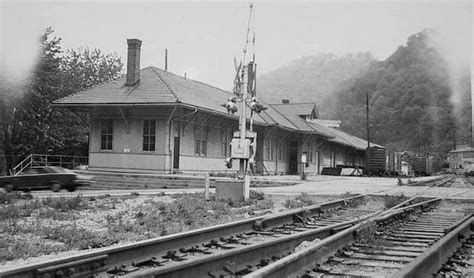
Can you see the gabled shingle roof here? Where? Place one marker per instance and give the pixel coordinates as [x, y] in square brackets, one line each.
[301, 109]
[159, 87]
[150, 90]
[292, 112]
[347, 139]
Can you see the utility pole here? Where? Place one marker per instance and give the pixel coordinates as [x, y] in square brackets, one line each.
[367, 153]
[166, 59]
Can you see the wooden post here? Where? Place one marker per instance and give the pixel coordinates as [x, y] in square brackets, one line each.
[207, 183]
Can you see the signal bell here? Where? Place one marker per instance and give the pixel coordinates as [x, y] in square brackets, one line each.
[231, 105]
[256, 106]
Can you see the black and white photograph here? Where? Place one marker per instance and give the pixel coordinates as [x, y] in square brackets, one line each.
[308, 138]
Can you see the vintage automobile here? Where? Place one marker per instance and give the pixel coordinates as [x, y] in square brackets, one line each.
[45, 177]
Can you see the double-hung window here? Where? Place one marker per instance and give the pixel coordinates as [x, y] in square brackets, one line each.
[225, 142]
[200, 141]
[106, 134]
[149, 135]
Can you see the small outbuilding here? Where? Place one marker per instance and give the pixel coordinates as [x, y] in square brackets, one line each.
[461, 160]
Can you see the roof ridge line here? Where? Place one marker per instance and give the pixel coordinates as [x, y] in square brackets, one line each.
[294, 103]
[309, 125]
[268, 115]
[192, 80]
[166, 84]
[296, 127]
[306, 123]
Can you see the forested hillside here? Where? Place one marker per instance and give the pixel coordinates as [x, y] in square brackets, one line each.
[410, 98]
[312, 78]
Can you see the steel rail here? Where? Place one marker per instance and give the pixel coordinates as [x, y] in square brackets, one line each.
[433, 258]
[100, 260]
[319, 252]
[427, 182]
[238, 258]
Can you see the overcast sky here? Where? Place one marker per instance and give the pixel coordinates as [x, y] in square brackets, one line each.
[203, 37]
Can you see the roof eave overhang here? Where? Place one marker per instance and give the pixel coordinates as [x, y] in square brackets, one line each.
[317, 133]
[121, 104]
[149, 104]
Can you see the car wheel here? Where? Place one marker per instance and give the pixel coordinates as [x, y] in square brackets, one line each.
[71, 188]
[55, 186]
[9, 187]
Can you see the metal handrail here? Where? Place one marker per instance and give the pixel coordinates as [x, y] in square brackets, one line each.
[45, 159]
[20, 165]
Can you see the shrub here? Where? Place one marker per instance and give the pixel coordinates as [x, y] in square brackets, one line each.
[264, 204]
[76, 238]
[65, 204]
[256, 195]
[10, 198]
[393, 200]
[301, 200]
[20, 249]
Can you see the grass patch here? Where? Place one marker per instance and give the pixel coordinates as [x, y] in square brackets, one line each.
[13, 197]
[65, 204]
[390, 201]
[299, 201]
[367, 235]
[35, 227]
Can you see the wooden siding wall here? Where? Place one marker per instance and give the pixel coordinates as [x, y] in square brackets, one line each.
[127, 152]
[273, 142]
[214, 159]
[127, 145]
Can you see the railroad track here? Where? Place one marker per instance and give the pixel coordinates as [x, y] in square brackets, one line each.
[404, 242]
[265, 246]
[186, 252]
[442, 181]
[461, 263]
[449, 257]
[470, 180]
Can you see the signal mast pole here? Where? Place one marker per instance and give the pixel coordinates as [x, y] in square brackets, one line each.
[243, 117]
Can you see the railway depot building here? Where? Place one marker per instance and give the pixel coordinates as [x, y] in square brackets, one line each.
[154, 120]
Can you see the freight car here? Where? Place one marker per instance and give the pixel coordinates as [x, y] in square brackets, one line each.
[385, 163]
[421, 165]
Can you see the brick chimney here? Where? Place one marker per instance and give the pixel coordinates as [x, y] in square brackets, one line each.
[133, 62]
